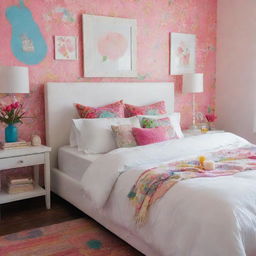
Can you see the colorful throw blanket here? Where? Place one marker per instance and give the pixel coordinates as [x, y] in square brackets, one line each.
[152, 184]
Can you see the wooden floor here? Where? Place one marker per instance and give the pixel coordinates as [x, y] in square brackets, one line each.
[31, 213]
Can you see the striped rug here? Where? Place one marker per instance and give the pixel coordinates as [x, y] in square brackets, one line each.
[72, 238]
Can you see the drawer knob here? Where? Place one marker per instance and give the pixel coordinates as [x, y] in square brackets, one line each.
[20, 162]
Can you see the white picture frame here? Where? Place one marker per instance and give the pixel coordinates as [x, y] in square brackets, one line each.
[110, 46]
[66, 47]
[182, 53]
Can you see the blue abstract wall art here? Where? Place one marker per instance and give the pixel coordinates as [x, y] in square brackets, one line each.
[27, 42]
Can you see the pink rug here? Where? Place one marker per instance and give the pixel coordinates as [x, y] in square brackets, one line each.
[72, 238]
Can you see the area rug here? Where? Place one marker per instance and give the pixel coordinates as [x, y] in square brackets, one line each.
[72, 238]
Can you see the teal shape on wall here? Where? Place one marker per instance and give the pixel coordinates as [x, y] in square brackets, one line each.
[27, 42]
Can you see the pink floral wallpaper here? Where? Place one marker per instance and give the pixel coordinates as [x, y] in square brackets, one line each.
[155, 19]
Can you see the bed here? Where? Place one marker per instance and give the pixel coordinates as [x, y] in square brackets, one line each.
[196, 217]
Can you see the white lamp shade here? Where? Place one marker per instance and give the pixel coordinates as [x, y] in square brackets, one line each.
[193, 83]
[14, 79]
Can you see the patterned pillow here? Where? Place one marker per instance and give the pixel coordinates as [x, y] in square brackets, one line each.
[113, 110]
[157, 108]
[145, 136]
[153, 123]
[123, 136]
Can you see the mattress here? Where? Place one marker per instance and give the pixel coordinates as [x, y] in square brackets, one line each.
[73, 162]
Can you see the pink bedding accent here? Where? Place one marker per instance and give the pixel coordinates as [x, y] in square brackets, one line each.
[115, 109]
[157, 108]
[145, 136]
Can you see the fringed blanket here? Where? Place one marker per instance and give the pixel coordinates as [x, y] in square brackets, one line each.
[154, 183]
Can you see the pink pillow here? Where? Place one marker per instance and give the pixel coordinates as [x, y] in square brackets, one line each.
[157, 108]
[115, 109]
[145, 136]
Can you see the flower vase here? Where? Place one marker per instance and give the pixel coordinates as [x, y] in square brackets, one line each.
[211, 126]
[11, 133]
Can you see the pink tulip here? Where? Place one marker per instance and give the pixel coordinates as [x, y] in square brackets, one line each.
[210, 117]
[8, 108]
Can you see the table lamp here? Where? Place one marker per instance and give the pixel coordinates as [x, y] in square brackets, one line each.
[14, 79]
[193, 83]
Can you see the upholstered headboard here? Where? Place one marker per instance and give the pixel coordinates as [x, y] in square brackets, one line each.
[60, 99]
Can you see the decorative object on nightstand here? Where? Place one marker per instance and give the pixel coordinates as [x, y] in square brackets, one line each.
[35, 140]
[13, 80]
[193, 83]
[11, 115]
[210, 117]
[22, 157]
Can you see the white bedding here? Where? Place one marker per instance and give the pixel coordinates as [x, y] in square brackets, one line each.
[197, 217]
[74, 162]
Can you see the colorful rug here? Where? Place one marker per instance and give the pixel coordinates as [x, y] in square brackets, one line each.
[72, 238]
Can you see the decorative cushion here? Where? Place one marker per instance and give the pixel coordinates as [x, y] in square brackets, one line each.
[147, 122]
[157, 108]
[174, 122]
[123, 136]
[95, 136]
[145, 136]
[115, 109]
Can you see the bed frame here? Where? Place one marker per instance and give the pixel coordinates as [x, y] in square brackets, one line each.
[59, 110]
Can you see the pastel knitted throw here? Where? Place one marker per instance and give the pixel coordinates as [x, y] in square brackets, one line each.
[152, 184]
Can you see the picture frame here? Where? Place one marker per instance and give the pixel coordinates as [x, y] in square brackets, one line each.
[110, 46]
[66, 47]
[182, 53]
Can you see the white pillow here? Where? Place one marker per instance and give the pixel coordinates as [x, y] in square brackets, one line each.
[174, 119]
[74, 136]
[95, 136]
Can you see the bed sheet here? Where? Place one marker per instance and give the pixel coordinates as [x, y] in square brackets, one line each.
[73, 162]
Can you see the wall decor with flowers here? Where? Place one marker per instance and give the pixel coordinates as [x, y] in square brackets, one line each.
[65, 48]
[110, 46]
[183, 53]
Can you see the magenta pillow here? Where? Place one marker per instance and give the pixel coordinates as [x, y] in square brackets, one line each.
[145, 136]
[157, 108]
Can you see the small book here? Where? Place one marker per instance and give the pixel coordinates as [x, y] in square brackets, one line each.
[21, 143]
[16, 179]
[19, 188]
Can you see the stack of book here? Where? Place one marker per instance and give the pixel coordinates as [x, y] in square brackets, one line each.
[18, 144]
[18, 184]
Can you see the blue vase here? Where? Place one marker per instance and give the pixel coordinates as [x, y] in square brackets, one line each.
[11, 133]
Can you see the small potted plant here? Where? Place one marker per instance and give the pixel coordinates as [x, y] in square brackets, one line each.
[11, 115]
[210, 117]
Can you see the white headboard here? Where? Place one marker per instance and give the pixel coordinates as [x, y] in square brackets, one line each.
[60, 99]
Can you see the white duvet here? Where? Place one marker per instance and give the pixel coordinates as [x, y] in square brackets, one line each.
[197, 217]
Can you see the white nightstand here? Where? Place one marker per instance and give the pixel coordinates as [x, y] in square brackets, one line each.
[22, 157]
[188, 133]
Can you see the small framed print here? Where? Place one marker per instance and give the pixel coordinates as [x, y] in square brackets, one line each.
[66, 48]
[183, 48]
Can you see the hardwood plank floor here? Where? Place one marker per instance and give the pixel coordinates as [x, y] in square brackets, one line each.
[31, 213]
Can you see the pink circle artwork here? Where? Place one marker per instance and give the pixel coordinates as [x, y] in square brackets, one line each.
[112, 46]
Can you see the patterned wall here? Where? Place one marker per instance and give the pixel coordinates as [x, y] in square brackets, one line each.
[155, 19]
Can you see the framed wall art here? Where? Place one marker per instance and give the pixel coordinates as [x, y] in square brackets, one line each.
[110, 46]
[65, 47]
[183, 57]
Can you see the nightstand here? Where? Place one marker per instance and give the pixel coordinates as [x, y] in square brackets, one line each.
[188, 133]
[23, 157]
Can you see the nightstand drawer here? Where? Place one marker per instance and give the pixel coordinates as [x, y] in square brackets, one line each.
[21, 161]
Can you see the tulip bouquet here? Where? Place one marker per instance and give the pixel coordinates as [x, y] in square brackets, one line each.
[12, 113]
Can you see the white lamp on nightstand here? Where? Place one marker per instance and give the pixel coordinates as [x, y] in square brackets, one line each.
[14, 79]
[193, 83]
